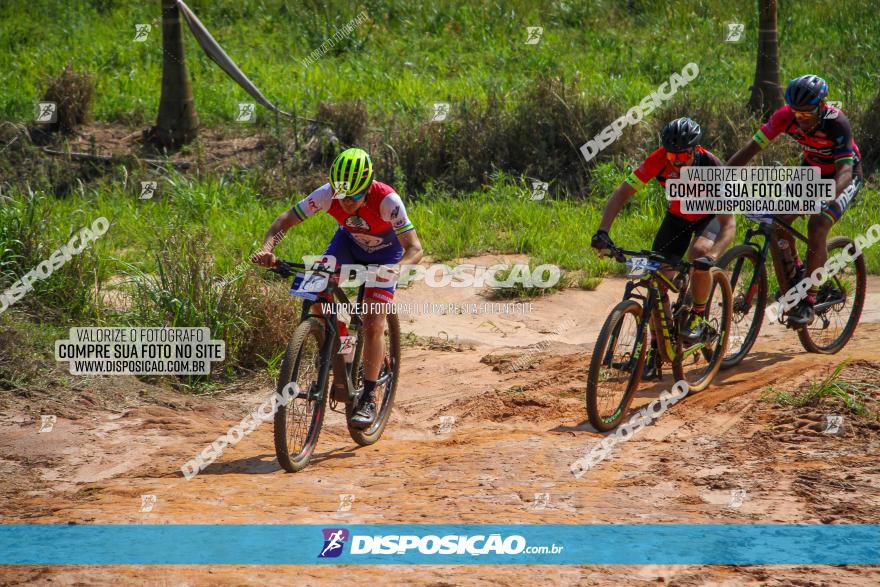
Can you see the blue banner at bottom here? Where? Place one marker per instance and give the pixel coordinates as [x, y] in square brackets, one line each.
[558, 544]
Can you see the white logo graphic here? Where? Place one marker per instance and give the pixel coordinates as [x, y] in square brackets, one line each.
[47, 422]
[534, 34]
[833, 424]
[148, 189]
[345, 502]
[441, 111]
[47, 112]
[735, 32]
[347, 344]
[539, 190]
[830, 114]
[141, 31]
[835, 104]
[541, 501]
[737, 496]
[446, 424]
[147, 503]
[246, 112]
[638, 267]
[334, 543]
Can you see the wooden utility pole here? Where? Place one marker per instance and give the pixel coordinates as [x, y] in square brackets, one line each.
[178, 123]
[766, 91]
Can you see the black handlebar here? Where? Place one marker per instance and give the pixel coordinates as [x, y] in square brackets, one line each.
[619, 254]
[288, 268]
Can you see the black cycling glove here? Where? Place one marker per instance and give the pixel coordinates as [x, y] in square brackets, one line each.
[601, 241]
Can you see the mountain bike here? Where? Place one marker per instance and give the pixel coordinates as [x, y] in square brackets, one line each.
[319, 344]
[619, 356]
[839, 301]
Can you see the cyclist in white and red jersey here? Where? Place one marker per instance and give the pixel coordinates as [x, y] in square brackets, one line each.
[702, 236]
[374, 230]
[826, 137]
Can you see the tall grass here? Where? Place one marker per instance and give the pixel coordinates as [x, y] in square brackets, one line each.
[186, 289]
[833, 389]
[421, 53]
[28, 237]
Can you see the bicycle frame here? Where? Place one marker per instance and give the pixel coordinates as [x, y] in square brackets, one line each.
[344, 389]
[771, 244]
[655, 313]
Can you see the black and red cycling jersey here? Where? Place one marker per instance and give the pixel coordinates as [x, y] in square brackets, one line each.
[656, 165]
[829, 143]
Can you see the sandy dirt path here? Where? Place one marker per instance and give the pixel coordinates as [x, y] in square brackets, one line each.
[720, 456]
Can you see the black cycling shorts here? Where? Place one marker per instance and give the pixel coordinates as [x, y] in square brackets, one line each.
[834, 209]
[675, 234]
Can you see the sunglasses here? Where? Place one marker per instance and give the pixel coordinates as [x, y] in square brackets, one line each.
[806, 113]
[679, 156]
[337, 195]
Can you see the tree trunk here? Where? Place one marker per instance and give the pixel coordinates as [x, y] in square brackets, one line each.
[766, 91]
[177, 123]
[869, 139]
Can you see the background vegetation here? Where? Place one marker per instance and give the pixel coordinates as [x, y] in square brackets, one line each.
[519, 113]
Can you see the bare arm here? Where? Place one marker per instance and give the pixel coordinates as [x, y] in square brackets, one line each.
[744, 155]
[843, 177]
[412, 248]
[615, 204]
[285, 221]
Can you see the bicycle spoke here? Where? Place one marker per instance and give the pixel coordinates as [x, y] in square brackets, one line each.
[301, 409]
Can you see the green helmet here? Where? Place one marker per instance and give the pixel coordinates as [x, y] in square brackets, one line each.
[351, 173]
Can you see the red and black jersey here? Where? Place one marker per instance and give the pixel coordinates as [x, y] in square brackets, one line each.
[657, 166]
[829, 143]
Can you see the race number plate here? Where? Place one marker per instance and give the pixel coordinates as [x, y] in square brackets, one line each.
[638, 266]
[308, 285]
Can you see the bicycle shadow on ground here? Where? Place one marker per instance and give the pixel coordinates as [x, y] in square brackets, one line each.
[254, 465]
[754, 361]
[645, 391]
[266, 463]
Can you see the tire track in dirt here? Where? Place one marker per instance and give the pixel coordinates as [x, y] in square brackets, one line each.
[515, 435]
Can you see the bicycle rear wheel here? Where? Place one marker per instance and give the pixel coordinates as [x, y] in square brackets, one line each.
[839, 304]
[386, 386]
[699, 363]
[616, 367]
[298, 423]
[748, 282]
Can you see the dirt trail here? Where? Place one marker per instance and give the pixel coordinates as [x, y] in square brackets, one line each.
[717, 456]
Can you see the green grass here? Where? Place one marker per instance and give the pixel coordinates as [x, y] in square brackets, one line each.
[514, 107]
[230, 222]
[851, 394]
[421, 53]
[180, 259]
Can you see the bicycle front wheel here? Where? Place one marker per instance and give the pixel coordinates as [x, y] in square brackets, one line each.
[298, 422]
[748, 281]
[839, 304]
[616, 366]
[699, 363]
